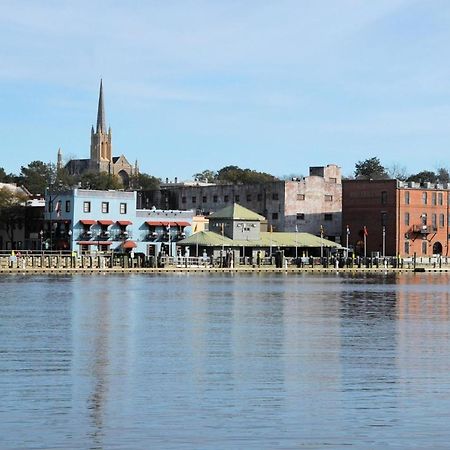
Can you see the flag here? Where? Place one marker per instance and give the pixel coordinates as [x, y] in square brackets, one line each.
[348, 230]
[365, 232]
[58, 208]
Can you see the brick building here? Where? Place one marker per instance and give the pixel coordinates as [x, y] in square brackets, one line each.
[400, 218]
[303, 204]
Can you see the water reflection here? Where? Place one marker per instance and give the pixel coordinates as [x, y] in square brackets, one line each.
[220, 361]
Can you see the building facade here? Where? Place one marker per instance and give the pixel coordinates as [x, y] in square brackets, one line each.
[101, 156]
[396, 218]
[85, 221]
[304, 204]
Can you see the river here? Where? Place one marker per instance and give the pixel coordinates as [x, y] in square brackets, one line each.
[225, 361]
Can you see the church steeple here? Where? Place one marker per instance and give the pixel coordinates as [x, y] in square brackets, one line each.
[101, 152]
[101, 123]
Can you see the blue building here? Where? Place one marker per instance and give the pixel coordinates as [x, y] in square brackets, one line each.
[89, 221]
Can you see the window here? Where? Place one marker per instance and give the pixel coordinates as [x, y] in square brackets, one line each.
[236, 198]
[67, 205]
[383, 218]
[441, 220]
[407, 218]
[194, 199]
[215, 198]
[274, 216]
[105, 207]
[407, 197]
[424, 247]
[383, 197]
[328, 198]
[440, 198]
[424, 218]
[328, 217]
[424, 198]
[275, 196]
[249, 197]
[407, 247]
[433, 198]
[86, 207]
[226, 198]
[183, 199]
[300, 196]
[123, 208]
[332, 180]
[300, 216]
[204, 199]
[433, 221]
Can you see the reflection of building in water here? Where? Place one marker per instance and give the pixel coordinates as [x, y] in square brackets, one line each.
[423, 296]
[101, 341]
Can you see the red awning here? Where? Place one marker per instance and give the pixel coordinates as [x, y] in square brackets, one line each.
[124, 222]
[129, 244]
[105, 222]
[94, 243]
[183, 224]
[154, 223]
[87, 221]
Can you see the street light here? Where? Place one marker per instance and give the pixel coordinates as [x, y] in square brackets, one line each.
[384, 241]
[321, 241]
[41, 234]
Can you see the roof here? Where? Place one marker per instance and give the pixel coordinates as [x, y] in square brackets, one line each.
[236, 212]
[207, 239]
[276, 239]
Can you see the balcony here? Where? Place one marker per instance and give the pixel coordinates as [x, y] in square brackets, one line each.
[423, 229]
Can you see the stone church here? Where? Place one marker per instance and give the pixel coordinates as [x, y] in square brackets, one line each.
[101, 159]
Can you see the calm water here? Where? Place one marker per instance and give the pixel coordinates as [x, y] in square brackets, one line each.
[224, 362]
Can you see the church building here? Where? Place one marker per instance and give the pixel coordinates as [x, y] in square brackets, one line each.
[101, 159]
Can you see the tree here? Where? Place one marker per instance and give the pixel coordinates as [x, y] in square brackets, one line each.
[100, 181]
[206, 176]
[6, 178]
[37, 176]
[397, 172]
[145, 182]
[12, 210]
[423, 176]
[370, 169]
[443, 175]
[234, 174]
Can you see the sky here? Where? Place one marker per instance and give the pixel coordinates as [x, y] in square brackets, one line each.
[275, 86]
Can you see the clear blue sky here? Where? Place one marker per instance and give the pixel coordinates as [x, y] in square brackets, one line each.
[191, 85]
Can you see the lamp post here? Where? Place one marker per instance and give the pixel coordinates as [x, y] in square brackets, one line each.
[69, 233]
[296, 242]
[41, 234]
[321, 241]
[347, 234]
[384, 241]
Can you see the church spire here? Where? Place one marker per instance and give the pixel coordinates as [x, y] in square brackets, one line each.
[101, 127]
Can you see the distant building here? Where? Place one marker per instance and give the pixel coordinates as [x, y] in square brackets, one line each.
[397, 218]
[20, 229]
[303, 204]
[242, 232]
[85, 221]
[101, 156]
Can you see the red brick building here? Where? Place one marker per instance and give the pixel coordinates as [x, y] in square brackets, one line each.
[401, 218]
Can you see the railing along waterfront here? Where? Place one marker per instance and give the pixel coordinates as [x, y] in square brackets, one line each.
[106, 260]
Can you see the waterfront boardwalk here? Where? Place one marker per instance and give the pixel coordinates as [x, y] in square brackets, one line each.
[58, 263]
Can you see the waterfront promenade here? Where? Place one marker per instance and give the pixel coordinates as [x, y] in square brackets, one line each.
[64, 263]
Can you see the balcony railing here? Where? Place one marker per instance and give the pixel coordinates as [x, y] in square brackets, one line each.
[424, 229]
